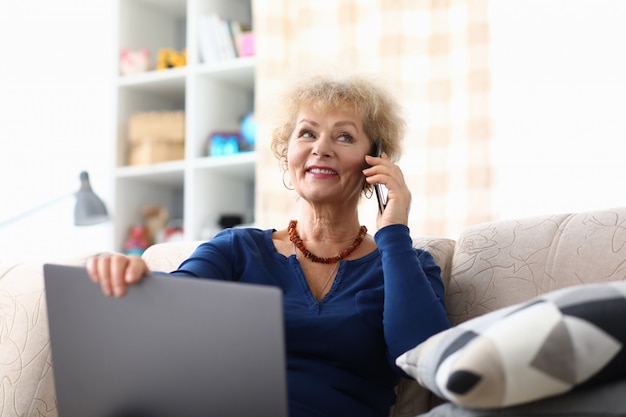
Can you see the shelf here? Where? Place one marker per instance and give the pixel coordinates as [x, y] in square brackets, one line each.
[238, 71]
[173, 78]
[167, 173]
[214, 97]
[240, 165]
[173, 7]
[171, 83]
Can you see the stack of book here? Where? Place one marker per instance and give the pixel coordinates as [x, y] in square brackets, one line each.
[223, 39]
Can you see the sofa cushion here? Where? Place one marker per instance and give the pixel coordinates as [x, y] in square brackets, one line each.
[505, 262]
[573, 337]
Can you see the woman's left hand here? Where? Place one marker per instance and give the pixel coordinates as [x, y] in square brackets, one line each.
[383, 171]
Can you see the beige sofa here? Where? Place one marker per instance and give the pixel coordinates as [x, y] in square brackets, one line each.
[488, 267]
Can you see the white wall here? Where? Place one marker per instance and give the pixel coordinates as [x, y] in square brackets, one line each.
[56, 83]
[559, 105]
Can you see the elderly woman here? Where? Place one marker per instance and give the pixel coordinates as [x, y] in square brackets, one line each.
[353, 302]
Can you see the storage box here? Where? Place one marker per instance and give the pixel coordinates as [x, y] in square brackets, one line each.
[156, 137]
[155, 151]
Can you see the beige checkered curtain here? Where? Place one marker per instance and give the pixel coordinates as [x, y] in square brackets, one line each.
[433, 54]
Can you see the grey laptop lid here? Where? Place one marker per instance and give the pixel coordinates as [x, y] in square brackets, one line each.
[171, 347]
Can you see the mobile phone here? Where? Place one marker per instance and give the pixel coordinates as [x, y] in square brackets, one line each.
[381, 196]
[380, 190]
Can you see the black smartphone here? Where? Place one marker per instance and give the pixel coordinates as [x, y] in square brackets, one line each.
[381, 195]
[380, 189]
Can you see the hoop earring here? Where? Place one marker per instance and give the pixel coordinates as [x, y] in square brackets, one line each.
[368, 192]
[290, 187]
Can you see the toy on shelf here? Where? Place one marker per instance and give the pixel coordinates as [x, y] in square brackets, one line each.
[134, 61]
[154, 230]
[174, 231]
[156, 218]
[137, 241]
[171, 58]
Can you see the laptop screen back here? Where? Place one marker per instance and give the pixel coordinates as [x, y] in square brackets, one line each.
[171, 347]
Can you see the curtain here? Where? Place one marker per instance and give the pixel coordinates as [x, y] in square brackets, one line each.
[434, 56]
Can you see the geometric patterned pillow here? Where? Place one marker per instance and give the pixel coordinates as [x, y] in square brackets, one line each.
[572, 337]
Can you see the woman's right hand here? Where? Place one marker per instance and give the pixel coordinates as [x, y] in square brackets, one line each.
[115, 273]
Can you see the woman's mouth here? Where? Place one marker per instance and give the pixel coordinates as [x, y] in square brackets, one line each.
[321, 171]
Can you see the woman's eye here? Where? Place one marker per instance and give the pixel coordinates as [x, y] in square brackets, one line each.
[345, 138]
[306, 134]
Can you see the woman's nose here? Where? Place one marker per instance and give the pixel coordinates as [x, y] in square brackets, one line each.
[322, 146]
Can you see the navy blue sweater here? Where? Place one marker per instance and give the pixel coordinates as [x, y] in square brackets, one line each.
[340, 350]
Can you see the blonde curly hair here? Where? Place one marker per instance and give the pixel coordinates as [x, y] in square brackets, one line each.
[383, 121]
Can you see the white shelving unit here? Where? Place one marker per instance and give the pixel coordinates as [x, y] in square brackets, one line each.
[214, 96]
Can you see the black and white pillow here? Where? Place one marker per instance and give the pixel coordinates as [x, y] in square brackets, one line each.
[573, 337]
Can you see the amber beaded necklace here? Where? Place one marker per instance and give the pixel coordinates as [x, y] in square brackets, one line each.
[297, 241]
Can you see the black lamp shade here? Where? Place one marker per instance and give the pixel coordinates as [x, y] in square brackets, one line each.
[89, 208]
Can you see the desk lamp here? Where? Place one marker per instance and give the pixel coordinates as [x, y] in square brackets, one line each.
[89, 208]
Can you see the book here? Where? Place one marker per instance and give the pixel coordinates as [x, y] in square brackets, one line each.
[245, 44]
[207, 41]
[236, 29]
[225, 40]
[222, 39]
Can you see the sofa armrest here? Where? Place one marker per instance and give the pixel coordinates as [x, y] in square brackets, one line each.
[26, 373]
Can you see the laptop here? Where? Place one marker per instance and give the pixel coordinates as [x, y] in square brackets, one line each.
[171, 347]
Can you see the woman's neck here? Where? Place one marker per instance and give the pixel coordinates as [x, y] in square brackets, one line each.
[336, 227]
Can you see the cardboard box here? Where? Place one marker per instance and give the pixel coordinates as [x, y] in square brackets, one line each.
[152, 152]
[156, 137]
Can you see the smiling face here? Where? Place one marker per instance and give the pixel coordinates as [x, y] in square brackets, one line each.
[326, 155]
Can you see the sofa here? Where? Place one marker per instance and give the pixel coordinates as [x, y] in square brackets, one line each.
[487, 269]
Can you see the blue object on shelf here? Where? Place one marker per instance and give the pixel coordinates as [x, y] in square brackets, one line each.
[231, 145]
[248, 129]
[224, 143]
